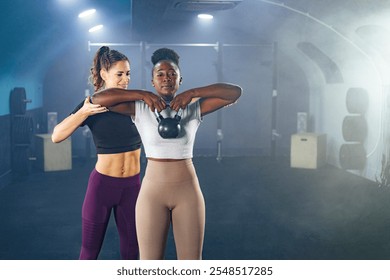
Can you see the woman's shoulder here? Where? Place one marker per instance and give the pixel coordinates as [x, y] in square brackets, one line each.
[140, 105]
[195, 104]
[193, 109]
[141, 110]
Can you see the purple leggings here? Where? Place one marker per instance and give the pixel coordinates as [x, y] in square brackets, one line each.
[103, 194]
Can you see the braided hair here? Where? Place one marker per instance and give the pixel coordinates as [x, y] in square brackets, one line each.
[104, 59]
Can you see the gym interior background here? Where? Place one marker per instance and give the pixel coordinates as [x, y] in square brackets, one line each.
[298, 169]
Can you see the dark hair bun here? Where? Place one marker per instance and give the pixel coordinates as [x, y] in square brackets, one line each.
[165, 54]
[104, 49]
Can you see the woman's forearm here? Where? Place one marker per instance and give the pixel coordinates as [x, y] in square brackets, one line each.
[224, 91]
[112, 96]
[212, 97]
[66, 128]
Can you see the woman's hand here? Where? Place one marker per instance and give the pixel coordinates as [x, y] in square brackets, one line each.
[153, 101]
[90, 109]
[181, 100]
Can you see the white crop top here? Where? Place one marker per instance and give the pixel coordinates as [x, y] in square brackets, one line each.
[157, 147]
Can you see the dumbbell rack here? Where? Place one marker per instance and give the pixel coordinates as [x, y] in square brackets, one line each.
[21, 132]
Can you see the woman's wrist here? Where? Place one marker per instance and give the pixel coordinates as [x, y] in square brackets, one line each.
[82, 114]
[193, 93]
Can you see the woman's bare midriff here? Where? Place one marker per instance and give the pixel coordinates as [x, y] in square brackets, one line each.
[119, 165]
[165, 159]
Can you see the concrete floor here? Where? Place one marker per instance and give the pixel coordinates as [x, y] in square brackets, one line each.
[257, 209]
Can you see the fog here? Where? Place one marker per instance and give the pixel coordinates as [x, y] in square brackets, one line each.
[288, 56]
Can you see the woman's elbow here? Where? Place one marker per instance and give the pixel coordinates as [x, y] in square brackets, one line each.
[237, 93]
[56, 137]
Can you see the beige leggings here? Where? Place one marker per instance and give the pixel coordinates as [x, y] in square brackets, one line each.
[170, 192]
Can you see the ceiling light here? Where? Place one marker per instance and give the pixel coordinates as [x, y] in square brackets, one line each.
[205, 16]
[96, 28]
[87, 13]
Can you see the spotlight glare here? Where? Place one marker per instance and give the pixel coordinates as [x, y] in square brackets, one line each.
[205, 16]
[95, 28]
[87, 13]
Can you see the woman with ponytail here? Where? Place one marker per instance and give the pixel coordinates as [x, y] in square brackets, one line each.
[114, 183]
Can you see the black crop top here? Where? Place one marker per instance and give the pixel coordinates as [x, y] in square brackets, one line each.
[112, 132]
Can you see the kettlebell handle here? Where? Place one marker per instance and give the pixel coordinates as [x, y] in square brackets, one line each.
[160, 117]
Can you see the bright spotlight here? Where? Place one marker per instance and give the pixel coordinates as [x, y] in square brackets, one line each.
[205, 16]
[95, 28]
[87, 13]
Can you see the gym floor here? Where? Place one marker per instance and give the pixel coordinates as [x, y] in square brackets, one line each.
[257, 209]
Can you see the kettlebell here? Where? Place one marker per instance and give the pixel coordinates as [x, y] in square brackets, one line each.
[169, 127]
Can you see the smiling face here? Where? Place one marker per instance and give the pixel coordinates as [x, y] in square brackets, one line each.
[166, 79]
[118, 76]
